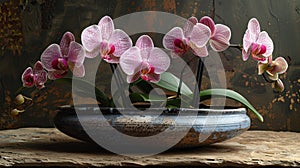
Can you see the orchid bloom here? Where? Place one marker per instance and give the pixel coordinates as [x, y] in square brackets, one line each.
[103, 38]
[58, 59]
[144, 60]
[220, 34]
[194, 35]
[273, 69]
[256, 43]
[37, 76]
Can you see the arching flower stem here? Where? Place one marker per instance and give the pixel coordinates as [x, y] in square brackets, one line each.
[238, 46]
[196, 98]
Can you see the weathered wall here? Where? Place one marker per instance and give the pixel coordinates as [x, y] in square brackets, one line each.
[35, 25]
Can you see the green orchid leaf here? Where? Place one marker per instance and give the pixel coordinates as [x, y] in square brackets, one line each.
[139, 97]
[206, 94]
[136, 97]
[144, 86]
[174, 103]
[84, 86]
[171, 82]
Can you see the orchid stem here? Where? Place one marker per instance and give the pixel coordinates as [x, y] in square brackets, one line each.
[181, 75]
[196, 98]
[180, 81]
[238, 46]
[180, 84]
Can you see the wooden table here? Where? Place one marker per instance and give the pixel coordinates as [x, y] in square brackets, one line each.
[48, 147]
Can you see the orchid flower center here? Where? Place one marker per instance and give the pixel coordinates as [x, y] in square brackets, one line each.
[146, 70]
[107, 50]
[60, 64]
[181, 46]
[258, 49]
[29, 79]
[275, 67]
[112, 49]
[60, 75]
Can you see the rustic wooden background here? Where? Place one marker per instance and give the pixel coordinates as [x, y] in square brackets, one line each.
[28, 27]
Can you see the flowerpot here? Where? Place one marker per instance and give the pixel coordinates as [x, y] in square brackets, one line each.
[208, 126]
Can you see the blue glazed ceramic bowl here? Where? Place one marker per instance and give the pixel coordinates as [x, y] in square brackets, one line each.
[208, 126]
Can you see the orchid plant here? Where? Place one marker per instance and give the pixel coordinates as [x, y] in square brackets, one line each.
[260, 46]
[143, 63]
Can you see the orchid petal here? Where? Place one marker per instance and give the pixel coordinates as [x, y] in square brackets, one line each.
[67, 38]
[104, 48]
[247, 41]
[28, 72]
[220, 40]
[50, 53]
[171, 36]
[76, 54]
[260, 58]
[280, 65]
[199, 51]
[91, 38]
[131, 60]
[224, 31]
[265, 39]
[254, 28]
[188, 27]
[132, 78]
[106, 26]
[152, 77]
[271, 76]
[78, 71]
[261, 68]
[121, 42]
[111, 59]
[209, 23]
[38, 66]
[200, 35]
[40, 74]
[56, 74]
[245, 54]
[145, 44]
[41, 78]
[159, 60]
[219, 45]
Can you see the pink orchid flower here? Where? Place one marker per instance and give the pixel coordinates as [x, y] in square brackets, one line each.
[194, 35]
[37, 76]
[58, 59]
[103, 38]
[144, 60]
[273, 69]
[256, 43]
[220, 34]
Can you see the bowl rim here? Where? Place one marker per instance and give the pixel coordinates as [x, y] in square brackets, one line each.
[94, 109]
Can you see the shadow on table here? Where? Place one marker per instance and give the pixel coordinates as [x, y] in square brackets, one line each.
[90, 148]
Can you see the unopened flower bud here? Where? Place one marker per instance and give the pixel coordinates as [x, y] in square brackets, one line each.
[279, 86]
[16, 112]
[19, 100]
